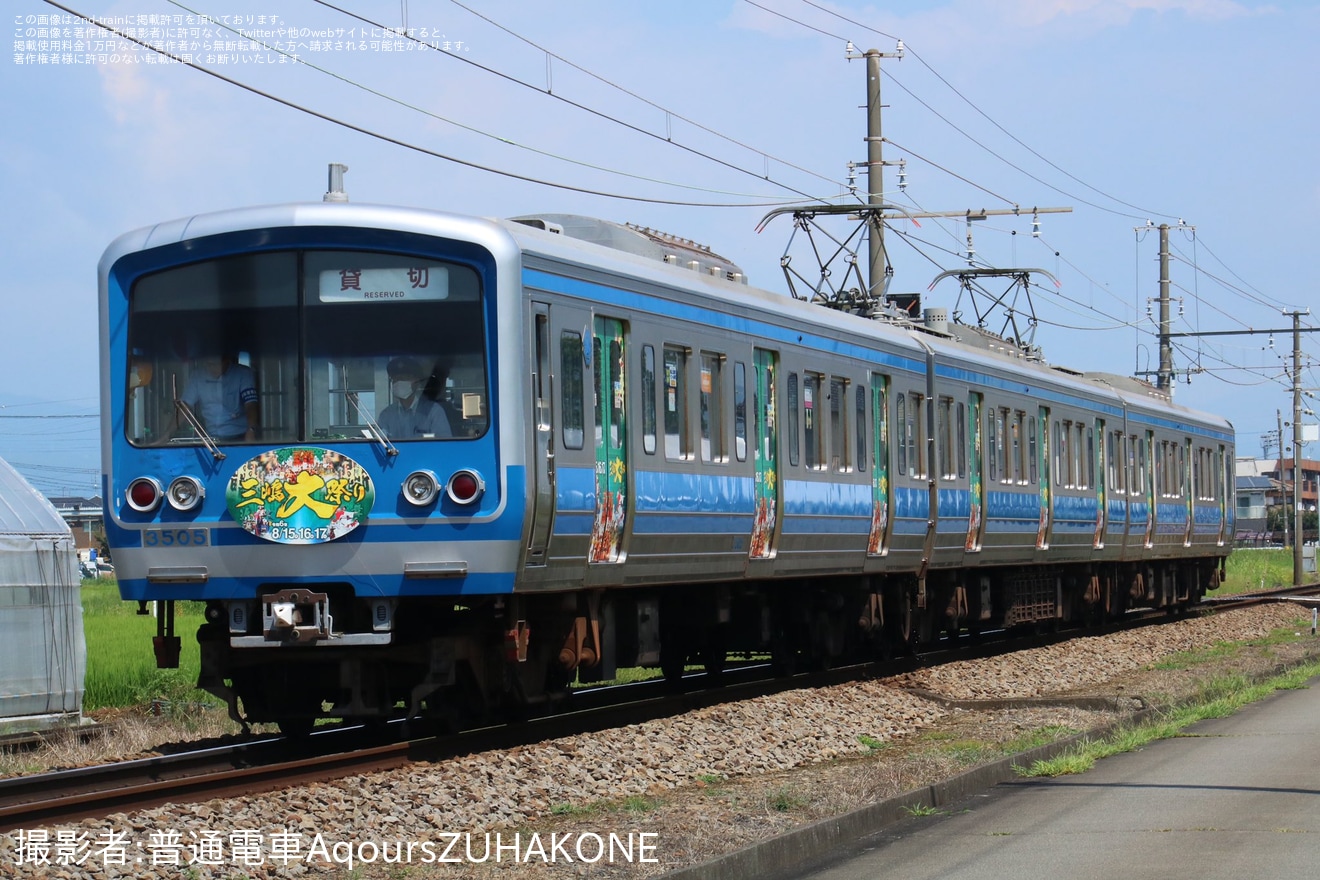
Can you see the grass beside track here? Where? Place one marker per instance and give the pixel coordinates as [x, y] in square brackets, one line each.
[1252, 570]
[121, 666]
[1218, 698]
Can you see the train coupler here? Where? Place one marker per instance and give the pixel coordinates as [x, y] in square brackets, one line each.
[296, 615]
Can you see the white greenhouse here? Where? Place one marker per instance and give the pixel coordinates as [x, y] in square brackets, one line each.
[43, 653]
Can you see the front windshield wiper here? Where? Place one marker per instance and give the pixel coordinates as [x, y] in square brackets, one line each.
[376, 430]
[191, 418]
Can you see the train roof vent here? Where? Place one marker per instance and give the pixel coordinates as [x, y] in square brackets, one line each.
[640, 240]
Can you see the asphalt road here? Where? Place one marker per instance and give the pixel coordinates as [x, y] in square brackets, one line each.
[1230, 798]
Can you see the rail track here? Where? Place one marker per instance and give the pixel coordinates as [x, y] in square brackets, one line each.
[265, 764]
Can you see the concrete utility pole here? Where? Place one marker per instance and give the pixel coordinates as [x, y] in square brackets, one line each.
[1297, 330]
[1297, 445]
[1164, 380]
[878, 264]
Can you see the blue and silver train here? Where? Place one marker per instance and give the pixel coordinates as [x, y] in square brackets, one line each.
[647, 462]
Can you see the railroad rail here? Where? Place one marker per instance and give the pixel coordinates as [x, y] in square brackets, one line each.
[255, 766]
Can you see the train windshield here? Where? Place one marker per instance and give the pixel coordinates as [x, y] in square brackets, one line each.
[307, 347]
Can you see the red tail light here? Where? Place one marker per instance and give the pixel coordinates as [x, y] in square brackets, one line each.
[143, 494]
[465, 487]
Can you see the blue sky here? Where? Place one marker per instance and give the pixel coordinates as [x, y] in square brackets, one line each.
[1125, 110]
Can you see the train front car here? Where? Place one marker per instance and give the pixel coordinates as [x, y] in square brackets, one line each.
[302, 429]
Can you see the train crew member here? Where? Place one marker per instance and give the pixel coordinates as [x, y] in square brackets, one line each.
[412, 414]
[223, 394]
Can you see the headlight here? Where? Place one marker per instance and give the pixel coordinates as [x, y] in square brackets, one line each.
[185, 493]
[420, 488]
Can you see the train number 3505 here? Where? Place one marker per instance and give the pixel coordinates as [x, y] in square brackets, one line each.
[176, 538]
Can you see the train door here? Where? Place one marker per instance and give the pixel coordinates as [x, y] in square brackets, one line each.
[878, 544]
[607, 359]
[975, 485]
[1095, 438]
[543, 452]
[1046, 478]
[765, 455]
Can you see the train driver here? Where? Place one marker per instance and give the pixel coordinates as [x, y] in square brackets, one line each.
[412, 414]
[223, 394]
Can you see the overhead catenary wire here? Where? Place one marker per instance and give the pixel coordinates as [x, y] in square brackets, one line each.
[508, 141]
[668, 112]
[398, 142]
[592, 111]
[909, 50]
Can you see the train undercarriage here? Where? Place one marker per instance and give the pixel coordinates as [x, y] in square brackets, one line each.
[489, 657]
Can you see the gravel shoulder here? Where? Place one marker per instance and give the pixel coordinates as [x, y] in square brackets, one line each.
[706, 783]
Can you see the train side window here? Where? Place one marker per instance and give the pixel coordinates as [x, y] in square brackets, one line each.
[793, 450]
[571, 388]
[711, 408]
[1111, 462]
[1090, 456]
[1143, 468]
[901, 421]
[1184, 467]
[740, 410]
[861, 428]
[838, 438]
[677, 442]
[1079, 450]
[648, 400]
[1019, 448]
[917, 435]
[1032, 453]
[1060, 477]
[944, 428]
[812, 433]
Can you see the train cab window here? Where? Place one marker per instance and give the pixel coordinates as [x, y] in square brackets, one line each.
[861, 428]
[678, 444]
[711, 408]
[317, 330]
[572, 389]
[793, 448]
[740, 411]
[838, 438]
[648, 400]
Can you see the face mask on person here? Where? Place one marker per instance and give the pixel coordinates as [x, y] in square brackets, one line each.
[402, 388]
